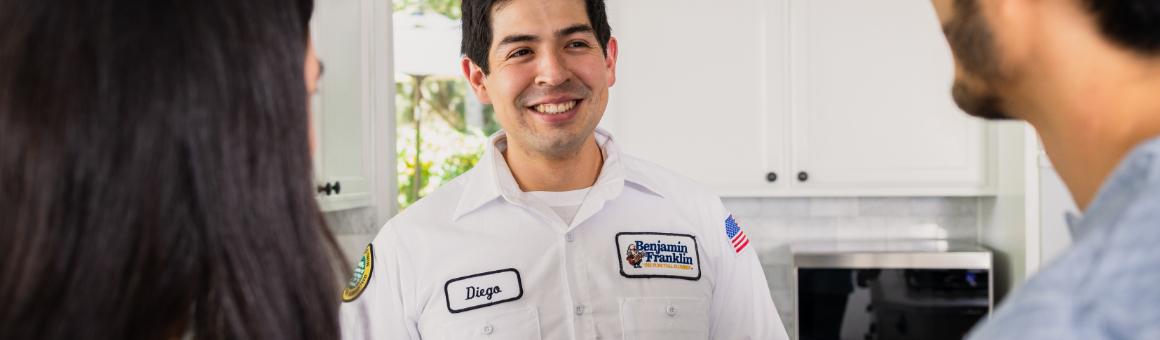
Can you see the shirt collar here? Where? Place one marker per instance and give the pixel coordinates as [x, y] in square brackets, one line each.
[1122, 188]
[492, 179]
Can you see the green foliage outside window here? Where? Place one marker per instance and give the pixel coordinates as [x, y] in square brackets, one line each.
[449, 144]
[448, 148]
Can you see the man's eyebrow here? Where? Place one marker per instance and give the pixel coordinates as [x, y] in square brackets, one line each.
[570, 30]
[518, 38]
[577, 28]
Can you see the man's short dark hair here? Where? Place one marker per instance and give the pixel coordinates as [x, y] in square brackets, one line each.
[1134, 24]
[477, 28]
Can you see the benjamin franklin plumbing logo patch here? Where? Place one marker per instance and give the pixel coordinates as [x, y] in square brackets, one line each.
[646, 255]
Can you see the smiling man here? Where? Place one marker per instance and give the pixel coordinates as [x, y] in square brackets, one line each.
[556, 234]
[1086, 74]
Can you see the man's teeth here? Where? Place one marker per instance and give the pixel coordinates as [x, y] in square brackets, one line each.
[555, 108]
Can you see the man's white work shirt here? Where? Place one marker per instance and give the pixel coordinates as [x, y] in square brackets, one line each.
[648, 255]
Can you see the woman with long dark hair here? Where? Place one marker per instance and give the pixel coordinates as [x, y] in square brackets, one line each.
[155, 173]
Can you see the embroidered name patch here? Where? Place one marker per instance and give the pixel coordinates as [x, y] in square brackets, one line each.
[645, 255]
[362, 275]
[483, 289]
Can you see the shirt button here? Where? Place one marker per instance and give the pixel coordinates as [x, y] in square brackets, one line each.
[487, 329]
[671, 311]
[569, 237]
[580, 310]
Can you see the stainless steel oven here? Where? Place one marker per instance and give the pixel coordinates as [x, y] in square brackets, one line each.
[910, 290]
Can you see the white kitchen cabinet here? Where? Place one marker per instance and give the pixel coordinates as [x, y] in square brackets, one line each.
[693, 92]
[871, 100]
[835, 97]
[342, 107]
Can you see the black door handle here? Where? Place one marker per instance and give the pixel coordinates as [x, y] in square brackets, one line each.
[325, 189]
[337, 187]
[803, 176]
[771, 177]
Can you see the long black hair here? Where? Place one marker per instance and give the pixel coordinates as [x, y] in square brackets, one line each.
[155, 178]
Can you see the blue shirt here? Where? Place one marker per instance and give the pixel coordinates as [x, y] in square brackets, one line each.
[1107, 285]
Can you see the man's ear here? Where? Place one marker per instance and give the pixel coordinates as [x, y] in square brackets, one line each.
[475, 78]
[610, 60]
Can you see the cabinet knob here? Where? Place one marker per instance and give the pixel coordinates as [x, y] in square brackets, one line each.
[325, 189]
[337, 187]
[771, 177]
[803, 176]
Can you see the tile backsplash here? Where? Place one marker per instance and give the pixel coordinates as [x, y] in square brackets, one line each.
[353, 229]
[774, 223]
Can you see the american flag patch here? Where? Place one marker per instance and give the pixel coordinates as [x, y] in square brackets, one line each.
[735, 235]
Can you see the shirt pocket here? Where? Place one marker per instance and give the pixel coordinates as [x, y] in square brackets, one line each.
[516, 324]
[664, 318]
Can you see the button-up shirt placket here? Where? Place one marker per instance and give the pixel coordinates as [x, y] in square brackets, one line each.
[577, 245]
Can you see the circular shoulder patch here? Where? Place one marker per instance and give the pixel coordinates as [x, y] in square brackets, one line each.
[362, 276]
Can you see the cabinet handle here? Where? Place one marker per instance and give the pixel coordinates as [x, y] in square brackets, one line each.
[771, 177]
[803, 176]
[337, 187]
[325, 189]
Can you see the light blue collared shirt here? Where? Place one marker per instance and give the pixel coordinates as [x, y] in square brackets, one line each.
[1107, 285]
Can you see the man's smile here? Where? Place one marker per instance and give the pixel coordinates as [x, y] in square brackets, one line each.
[556, 111]
[555, 108]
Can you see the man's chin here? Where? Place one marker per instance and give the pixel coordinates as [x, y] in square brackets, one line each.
[558, 144]
[986, 105]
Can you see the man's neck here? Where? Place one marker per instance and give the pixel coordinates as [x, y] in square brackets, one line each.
[535, 172]
[1098, 106]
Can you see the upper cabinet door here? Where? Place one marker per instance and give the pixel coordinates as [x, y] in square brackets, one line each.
[872, 110]
[342, 107]
[700, 87]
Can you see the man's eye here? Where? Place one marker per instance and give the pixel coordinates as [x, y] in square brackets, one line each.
[578, 43]
[519, 53]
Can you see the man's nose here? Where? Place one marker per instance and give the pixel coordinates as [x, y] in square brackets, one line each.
[552, 70]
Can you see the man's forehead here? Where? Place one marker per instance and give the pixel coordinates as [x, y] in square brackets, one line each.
[536, 17]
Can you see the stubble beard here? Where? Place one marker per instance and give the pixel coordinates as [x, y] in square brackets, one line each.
[564, 141]
[974, 46]
[557, 145]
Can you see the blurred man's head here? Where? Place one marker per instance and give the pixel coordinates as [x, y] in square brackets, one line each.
[545, 66]
[1000, 45]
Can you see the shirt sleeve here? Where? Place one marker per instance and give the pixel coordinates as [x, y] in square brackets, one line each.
[742, 307]
[379, 310]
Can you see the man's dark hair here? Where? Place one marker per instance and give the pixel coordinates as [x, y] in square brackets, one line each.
[155, 173]
[477, 31]
[1134, 24]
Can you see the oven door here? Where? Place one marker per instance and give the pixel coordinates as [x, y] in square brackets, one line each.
[890, 303]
